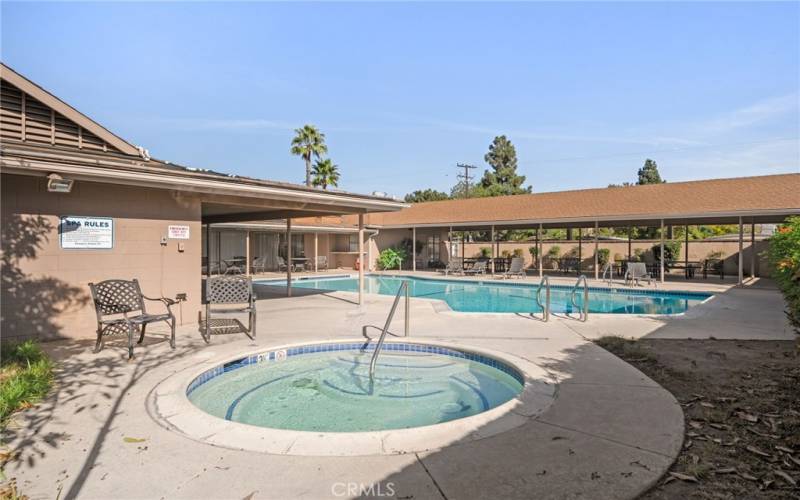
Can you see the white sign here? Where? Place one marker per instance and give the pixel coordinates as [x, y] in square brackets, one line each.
[178, 232]
[87, 232]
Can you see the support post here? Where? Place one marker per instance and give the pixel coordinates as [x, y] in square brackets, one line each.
[541, 250]
[580, 250]
[463, 247]
[752, 250]
[629, 243]
[247, 253]
[686, 250]
[316, 251]
[414, 249]
[288, 257]
[596, 250]
[492, 250]
[208, 250]
[741, 249]
[661, 263]
[360, 259]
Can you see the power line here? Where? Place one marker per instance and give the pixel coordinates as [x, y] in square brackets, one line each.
[466, 176]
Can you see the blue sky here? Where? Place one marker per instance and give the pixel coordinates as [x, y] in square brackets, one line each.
[586, 91]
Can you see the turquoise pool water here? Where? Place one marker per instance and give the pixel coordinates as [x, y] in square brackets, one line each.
[494, 296]
[314, 389]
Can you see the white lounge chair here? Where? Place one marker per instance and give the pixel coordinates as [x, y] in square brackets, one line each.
[478, 268]
[637, 271]
[517, 268]
[453, 267]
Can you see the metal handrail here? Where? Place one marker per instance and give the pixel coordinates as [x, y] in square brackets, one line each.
[609, 270]
[583, 311]
[546, 306]
[374, 360]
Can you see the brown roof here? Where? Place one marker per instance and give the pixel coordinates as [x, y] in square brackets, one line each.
[711, 198]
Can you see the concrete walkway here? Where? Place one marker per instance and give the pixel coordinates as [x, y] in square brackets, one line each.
[611, 432]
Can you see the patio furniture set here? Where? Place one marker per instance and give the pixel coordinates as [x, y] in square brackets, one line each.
[120, 308]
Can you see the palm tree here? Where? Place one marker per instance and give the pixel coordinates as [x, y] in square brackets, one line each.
[325, 173]
[308, 142]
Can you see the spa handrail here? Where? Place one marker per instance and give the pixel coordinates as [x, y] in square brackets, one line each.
[546, 306]
[374, 360]
[583, 311]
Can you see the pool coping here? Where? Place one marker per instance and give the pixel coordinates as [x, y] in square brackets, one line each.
[171, 408]
[441, 306]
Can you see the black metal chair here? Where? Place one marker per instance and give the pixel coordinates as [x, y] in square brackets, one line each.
[120, 308]
[228, 291]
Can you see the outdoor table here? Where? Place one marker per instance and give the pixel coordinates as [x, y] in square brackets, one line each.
[299, 263]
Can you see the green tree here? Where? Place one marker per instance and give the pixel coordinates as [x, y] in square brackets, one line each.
[325, 174]
[648, 174]
[423, 195]
[503, 178]
[308, 142]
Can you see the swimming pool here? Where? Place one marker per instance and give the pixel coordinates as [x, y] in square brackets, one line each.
[327, 388]
[509, 297]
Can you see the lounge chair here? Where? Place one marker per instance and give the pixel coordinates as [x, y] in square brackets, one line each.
[228, 291]
[322, 263]
[637, 271]
[259, 265]
[120, 308]
[517, 268]
[453, 267]
[478, 268]
[281, 264]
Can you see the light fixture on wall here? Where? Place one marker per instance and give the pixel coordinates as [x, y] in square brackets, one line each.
[58, 184]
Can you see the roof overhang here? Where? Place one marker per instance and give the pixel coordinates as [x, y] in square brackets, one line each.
[280, 226]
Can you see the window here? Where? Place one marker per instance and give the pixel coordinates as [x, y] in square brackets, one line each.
[298, 245]
[433, 248]
[353, 243]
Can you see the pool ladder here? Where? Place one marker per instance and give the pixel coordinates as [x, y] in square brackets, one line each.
[582, 311]
[374, 360]
[546, 306]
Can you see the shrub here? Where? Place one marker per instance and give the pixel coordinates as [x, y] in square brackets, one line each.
[672, 250]
[517, 252]
[534, 251]
[505, 254]
[602, 255]
[554, 251]
[25, 377]
[391, 258]
[485, 252]
[784, 256]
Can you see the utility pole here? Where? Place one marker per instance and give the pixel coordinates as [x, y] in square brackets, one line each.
[466, 176]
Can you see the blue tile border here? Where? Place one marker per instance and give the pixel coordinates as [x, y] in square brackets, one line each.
[271, 356]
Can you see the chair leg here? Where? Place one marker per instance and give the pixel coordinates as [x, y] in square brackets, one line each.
[98, 346]
[141, 337]
[172, 338]
[130, 341]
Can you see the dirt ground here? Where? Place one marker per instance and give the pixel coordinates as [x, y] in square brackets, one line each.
[741, 402]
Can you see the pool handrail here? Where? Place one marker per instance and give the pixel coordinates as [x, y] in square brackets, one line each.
[546, 306]
[374, 360]
[582, 311]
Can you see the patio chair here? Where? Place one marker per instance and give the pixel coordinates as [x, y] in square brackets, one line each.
[478, 268]
[517, 268]
[120, 309]
[322, 263]
[453, 267]
[259, 264]
[637, 271]
[281, 263]
[228, 291]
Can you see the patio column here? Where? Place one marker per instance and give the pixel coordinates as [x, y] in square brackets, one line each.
[208, 250]
[686, 253]
[316, 251]
[580, 250]
[741, 249]
[492, 249]
[360, 259]
[247, 253]
[414, 249]
[661, 264]
[463, 247]
[288, 257]
[752, 250]
[596, 249]
[629, 243]
[541, 249]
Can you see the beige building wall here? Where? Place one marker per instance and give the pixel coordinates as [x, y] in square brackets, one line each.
[45, 291]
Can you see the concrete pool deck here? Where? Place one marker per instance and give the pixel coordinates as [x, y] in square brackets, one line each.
[610, 433]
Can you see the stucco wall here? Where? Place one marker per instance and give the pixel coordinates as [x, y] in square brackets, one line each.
[45, 291]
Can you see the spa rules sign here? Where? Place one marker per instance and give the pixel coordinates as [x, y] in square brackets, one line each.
[95, 233]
